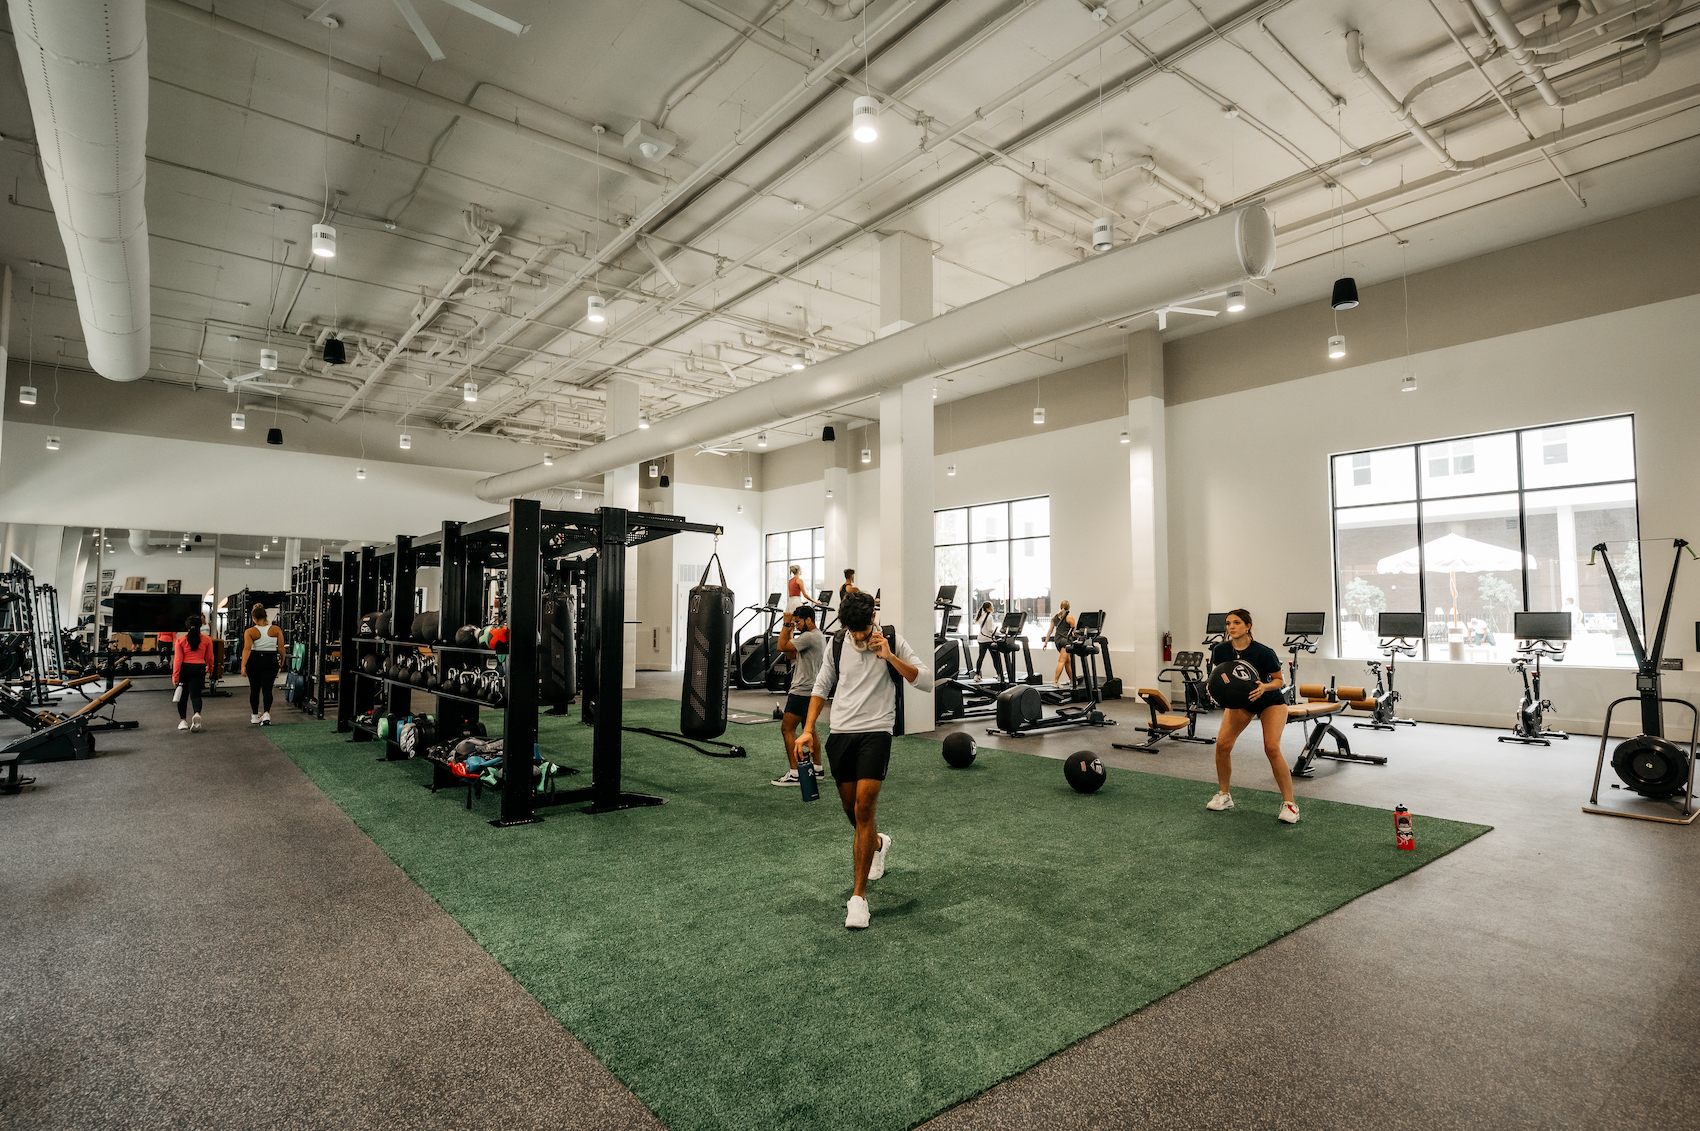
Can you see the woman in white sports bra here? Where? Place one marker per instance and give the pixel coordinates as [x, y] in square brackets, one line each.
[262, 649]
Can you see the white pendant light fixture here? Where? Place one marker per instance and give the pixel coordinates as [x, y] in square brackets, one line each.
[867, 455]
[865, 119]
[469, 392]
[643, 420]
[654, 471]
[1236, 301]
[950, 470]
[53, 443]
[324, 241]
[1039, 414]
[799, 360]
[829, 492]
[596, 309]
[268, 360]
[1126, 439]
[740, 508]
[360, 473]
[578, 493]
[238, 421]
[1102, 234]
[761, 439]
[548, 460]
[26, 394]
[274, 539]
[406, 441]
[749, 482]
[1408, 383]
[1336, 346]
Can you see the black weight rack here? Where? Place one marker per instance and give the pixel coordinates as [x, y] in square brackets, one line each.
[312, 627]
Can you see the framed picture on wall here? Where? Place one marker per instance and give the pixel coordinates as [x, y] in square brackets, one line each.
[134, 583]
[106, 588]
[174, 586]
[156, 587]
[88, 588]
[88, 604]
[107, 575]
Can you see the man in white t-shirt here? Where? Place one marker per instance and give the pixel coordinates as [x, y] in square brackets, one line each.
[862, 673]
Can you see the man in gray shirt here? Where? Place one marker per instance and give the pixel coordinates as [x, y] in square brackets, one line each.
[862, 672]
[805, 644]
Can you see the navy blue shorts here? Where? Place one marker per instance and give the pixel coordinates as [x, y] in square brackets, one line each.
[1263, 702]
[797, 705]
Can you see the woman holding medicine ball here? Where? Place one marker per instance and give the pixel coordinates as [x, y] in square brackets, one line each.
[1264, 703]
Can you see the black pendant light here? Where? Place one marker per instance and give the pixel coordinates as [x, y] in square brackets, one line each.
[1345, 293]
[334, 352]
[666, 482]
[828, 435]
[274, 435]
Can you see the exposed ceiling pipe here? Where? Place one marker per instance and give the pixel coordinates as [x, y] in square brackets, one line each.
[139, 543]
[831, 11]
[85, 66]
[1647, 24]
[1199, 258]
[1355, 58]
[414, 94]
[1605, 26]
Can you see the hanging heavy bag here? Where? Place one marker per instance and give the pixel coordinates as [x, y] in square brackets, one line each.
[560, 677]
[708, 657]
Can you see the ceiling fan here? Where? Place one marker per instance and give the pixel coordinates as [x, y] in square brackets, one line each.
[245, 381]
[426, 39]
[719, 449]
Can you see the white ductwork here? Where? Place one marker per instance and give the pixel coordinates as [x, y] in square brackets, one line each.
[1628, 20]
[139, 543]
[1203, 257]
[85, 66]
[831, 11]
[1355, 57]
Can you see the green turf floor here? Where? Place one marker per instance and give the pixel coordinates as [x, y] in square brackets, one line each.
[699, 948]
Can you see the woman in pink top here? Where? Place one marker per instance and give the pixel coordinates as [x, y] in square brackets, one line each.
[192, 658]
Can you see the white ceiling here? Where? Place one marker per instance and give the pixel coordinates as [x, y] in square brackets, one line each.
[236, 129]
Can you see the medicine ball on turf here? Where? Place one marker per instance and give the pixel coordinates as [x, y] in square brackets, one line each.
[959, 750]
[1231, 683]
[1084, 771]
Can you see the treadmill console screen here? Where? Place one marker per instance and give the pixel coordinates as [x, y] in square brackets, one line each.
[1215, 624]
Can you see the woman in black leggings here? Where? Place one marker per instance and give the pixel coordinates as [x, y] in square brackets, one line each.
[262, 647]
[192, 659]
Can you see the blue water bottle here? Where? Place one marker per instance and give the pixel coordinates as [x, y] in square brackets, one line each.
[806, 778]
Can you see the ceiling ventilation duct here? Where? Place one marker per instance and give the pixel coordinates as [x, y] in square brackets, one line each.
[85, 65]
[1206, 256]
[140, 545]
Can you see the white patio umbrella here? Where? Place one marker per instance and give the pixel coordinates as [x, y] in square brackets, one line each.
[1455, 554]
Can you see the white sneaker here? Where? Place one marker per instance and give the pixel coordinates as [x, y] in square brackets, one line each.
[253, 718]
[195, 723]
[1289, 813]
[876, 869]
[1219, 802]
[790, 778]
[266, 719]
[183, 724]
[820, 774]
[856, 913]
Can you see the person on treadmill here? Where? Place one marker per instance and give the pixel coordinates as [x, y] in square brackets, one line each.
[863, 674]
[1267, 706]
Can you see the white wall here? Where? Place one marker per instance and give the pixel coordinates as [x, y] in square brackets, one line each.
[1248, 488]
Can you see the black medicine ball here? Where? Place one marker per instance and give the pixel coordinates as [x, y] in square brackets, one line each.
[369, 664]
[959, 750]
[1084, 771]
[466, 636]
[1231, 683]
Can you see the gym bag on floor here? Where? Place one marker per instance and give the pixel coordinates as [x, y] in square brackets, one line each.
[708, 657]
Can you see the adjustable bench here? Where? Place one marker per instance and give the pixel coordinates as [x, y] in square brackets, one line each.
[1321, 703]
[1165, 723]
[12, 783]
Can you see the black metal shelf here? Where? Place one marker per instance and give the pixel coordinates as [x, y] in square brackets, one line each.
[428, 691]
[421, 644]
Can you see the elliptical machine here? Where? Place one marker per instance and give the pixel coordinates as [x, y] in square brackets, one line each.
[1398, 634]
[1539, 634]
[1649, 764]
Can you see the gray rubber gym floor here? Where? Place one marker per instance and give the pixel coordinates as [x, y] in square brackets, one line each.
[194, 936]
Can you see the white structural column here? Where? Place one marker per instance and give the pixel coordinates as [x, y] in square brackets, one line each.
[620, 489]
[840, 531]
[1147, 492]
[906, 473]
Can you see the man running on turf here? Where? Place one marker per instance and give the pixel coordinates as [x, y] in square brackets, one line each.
[805, 644]
[862, 672]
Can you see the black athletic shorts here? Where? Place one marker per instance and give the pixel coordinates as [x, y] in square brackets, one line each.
[857, 756]
[1265, 701]
[797, 705]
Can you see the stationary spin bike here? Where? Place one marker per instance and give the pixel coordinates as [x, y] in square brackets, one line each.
[1539, 635]
[1398, 633]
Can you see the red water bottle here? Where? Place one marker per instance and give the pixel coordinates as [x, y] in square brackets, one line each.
[1402, 831]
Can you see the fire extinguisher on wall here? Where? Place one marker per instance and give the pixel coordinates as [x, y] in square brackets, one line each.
[1168, 646]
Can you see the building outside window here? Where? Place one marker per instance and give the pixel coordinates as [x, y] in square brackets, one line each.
[806, 548]
[997, 552]
[1471, 531]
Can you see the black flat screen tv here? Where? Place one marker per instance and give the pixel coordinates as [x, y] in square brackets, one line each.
[141, 613]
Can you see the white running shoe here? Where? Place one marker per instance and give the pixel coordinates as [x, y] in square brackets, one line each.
[183, 724]
[820, 774]
[195, 723]
[253, 719]
[876, 869]
[266, 719]
[790, 778]
[1289, 813]
[1220, 801]
[856, 913]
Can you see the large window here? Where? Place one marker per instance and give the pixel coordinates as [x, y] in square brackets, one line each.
[1470, 531]
[999, 552]
[806, 548]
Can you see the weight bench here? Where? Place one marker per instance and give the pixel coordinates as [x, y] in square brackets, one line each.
[1321, 704]
[1165, 723]
[12, 783]
[106, 698]
[62, 742]
[1358, 700]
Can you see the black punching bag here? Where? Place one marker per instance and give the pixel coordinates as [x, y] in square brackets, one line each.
[708, 658]
[560, 682]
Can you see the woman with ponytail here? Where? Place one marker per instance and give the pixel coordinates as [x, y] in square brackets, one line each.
[262, 647]
[192, 658]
